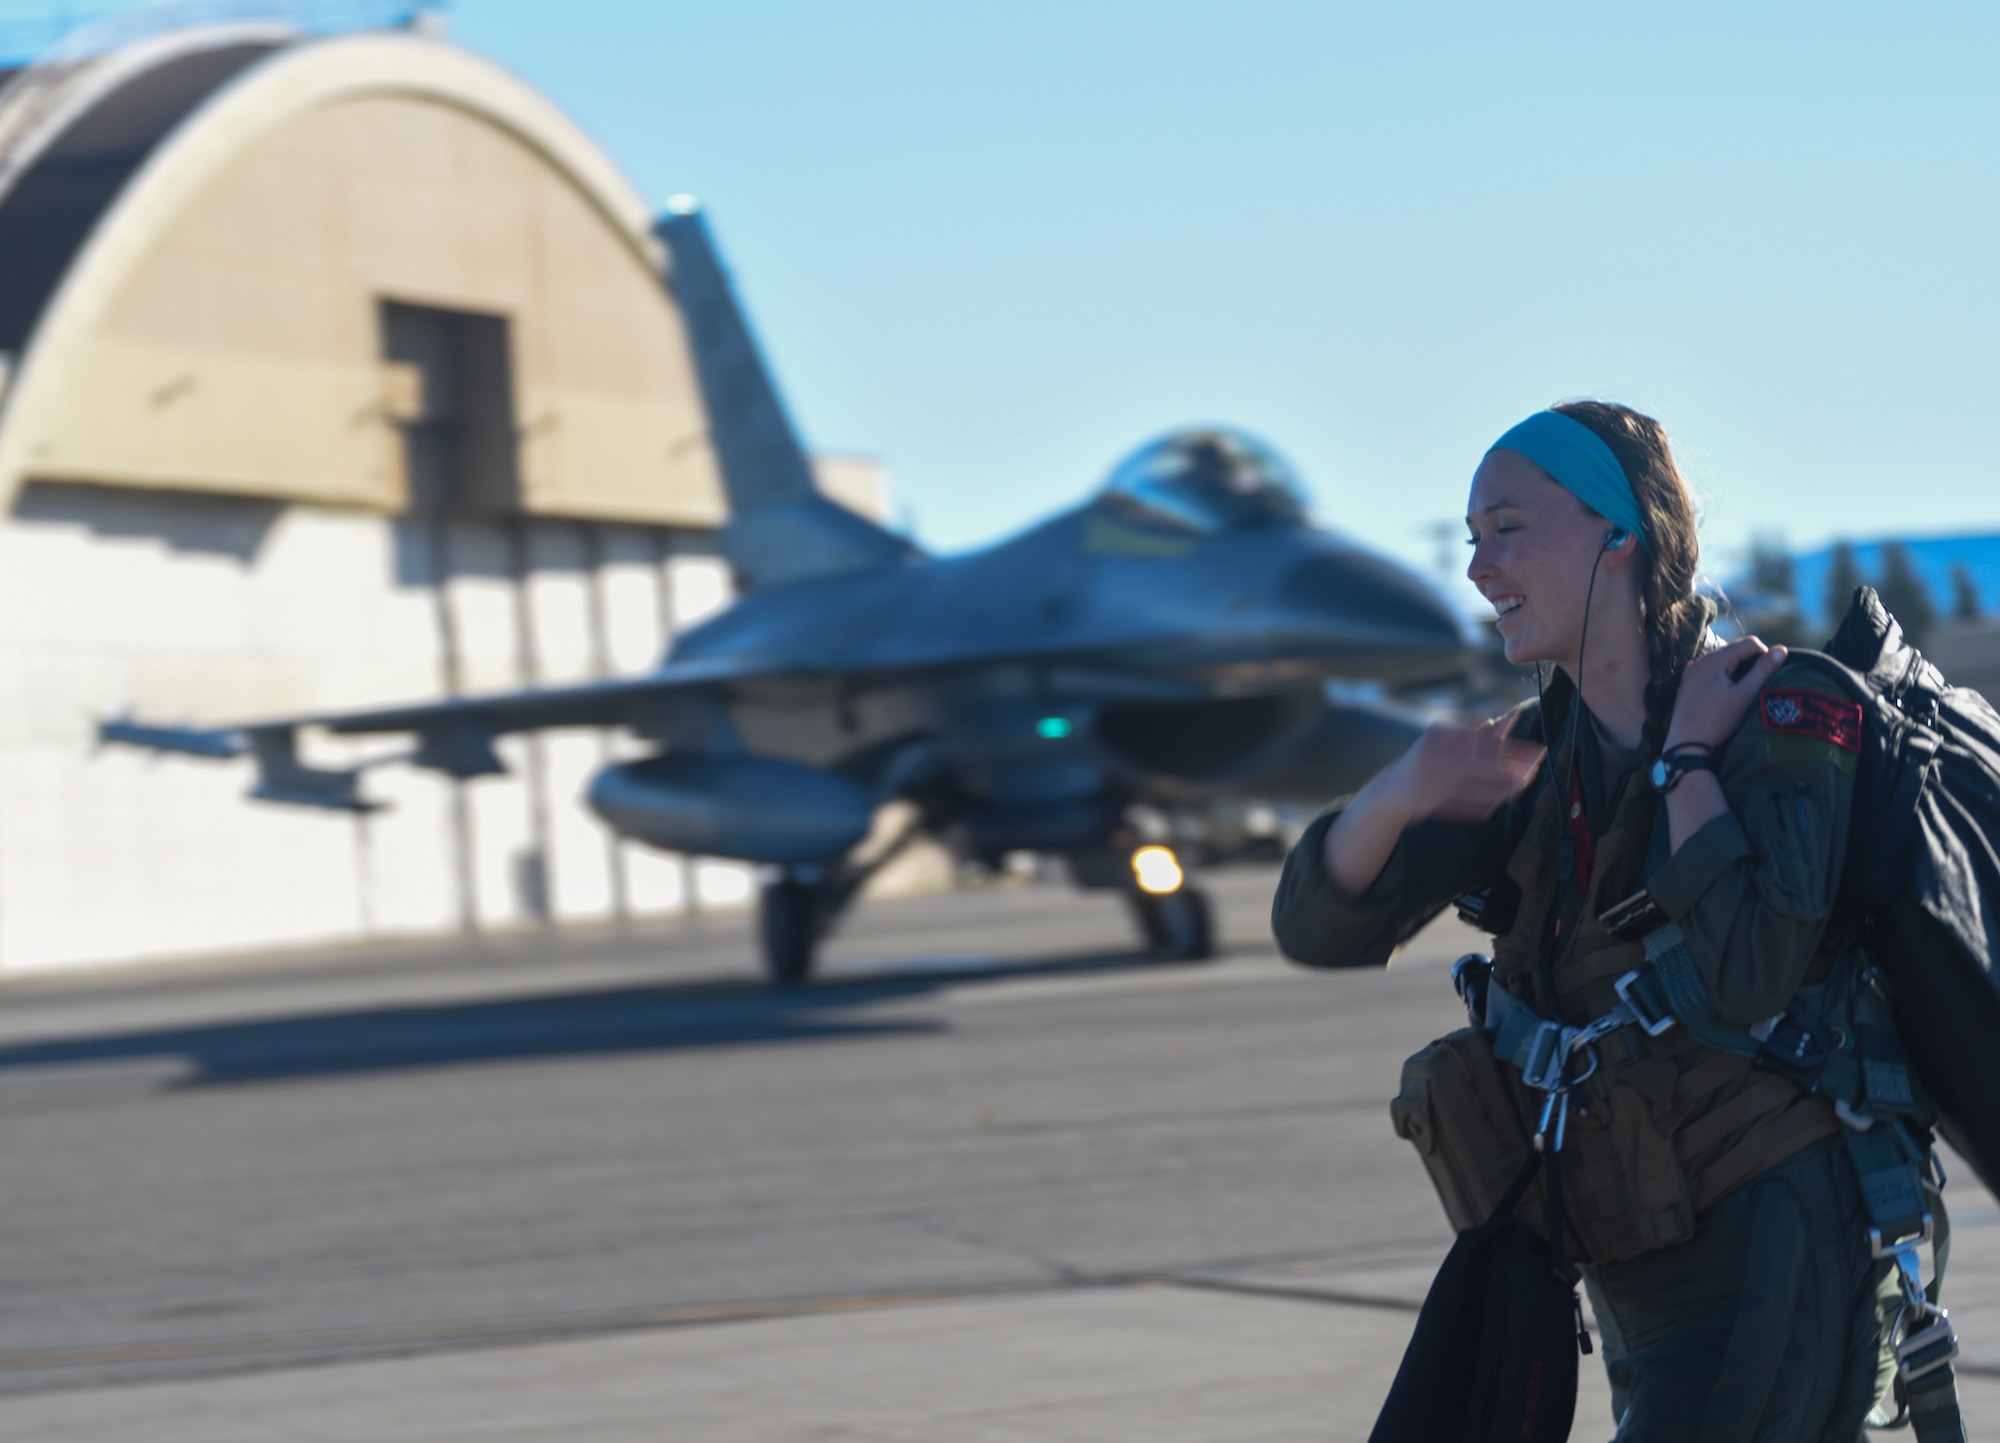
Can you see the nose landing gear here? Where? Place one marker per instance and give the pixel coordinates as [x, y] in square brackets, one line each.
[1173, 915]
[1177, 924]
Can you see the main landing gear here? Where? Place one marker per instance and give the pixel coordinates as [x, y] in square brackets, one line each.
[789, 921]
[797, 911]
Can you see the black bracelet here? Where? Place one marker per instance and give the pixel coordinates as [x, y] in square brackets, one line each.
[1688, 747]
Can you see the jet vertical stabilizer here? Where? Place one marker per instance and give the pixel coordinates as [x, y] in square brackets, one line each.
[781, 529]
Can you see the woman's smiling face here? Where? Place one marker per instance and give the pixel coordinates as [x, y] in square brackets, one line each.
[1533, 547]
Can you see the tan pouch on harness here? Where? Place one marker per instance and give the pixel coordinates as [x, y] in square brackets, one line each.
[1459, 1109]
[1467, 1115]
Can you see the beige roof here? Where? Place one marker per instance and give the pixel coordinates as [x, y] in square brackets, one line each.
[215, 314]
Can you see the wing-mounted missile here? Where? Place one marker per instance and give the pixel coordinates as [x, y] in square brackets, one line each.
[218, 744]
[281, 776]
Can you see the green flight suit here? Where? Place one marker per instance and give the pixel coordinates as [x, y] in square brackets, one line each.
[1770, 1322]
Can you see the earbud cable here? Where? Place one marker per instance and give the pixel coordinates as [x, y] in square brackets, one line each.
[1565, 842]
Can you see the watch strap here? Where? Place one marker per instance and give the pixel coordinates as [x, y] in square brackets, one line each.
[1677, 762]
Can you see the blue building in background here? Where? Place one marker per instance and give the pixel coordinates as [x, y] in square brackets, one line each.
[1935, 559]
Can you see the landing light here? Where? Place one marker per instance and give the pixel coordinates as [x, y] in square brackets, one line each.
[1157, 870]
[1053, 728]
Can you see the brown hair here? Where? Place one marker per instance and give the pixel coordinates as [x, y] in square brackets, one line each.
[1675, 618]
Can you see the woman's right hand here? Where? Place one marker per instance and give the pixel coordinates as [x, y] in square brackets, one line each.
[1463, 774]
[1458, 773]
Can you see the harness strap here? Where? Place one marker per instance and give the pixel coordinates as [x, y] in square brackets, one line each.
[1891, 1184]
[1540, 1048]
[1674, 979]
[1930, 1397]
[1867, 1074]
[1891, 1169]
[1900, 1202]
[1888, 1164]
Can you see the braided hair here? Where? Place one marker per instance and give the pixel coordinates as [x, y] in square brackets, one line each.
[1675, 617]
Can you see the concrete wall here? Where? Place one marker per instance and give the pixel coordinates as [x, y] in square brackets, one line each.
[211, 609]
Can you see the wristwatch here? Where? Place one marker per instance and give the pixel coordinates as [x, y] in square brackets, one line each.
[1671, 765]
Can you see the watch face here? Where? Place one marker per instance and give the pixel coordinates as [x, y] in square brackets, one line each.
[1661, 774]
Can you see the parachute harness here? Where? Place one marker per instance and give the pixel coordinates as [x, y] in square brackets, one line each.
[1855, 1064]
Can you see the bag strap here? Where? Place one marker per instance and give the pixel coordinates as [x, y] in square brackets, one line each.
[1511, 1199]
[1517, 1189]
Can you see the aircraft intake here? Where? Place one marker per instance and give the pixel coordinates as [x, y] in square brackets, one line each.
[754, 809]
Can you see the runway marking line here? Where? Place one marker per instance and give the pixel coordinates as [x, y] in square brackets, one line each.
[351, 1344]
[495, 1332]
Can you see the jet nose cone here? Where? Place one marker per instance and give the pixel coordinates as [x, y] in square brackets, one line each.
[1376, 607]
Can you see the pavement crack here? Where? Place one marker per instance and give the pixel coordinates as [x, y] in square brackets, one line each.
[1056, 1268]
[1332, 1297]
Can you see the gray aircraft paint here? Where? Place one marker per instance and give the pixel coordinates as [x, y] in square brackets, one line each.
[781, 529]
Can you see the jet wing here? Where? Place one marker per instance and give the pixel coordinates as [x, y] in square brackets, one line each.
[682, 703]
[621, 701]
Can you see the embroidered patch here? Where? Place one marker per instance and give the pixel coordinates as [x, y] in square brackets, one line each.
[1813, 714]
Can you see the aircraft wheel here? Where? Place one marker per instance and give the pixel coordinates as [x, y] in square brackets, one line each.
[1186, 925]
[1146, 912]
[789, 914]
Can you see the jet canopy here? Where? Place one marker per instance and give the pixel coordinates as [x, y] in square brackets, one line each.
[1207, 481]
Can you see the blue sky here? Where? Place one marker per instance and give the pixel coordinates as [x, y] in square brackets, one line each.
[997, 245]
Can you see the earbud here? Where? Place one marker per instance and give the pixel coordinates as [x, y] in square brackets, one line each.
[1615, 538]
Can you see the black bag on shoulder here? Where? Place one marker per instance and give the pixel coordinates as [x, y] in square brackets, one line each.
[1494, 1354]
[1921, 882]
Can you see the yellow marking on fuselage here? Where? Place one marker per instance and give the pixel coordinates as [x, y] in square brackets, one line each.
[1107, 538]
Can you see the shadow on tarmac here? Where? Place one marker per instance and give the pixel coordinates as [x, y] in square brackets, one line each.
[667, 1017]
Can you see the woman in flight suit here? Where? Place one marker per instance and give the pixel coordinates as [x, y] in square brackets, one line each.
[1720, 1227]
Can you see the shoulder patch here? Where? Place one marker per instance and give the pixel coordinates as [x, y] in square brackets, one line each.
[1800, 713]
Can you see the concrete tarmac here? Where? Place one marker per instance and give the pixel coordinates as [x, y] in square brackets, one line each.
[995, 1178]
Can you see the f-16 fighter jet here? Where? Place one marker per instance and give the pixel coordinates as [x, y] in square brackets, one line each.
[1179, 639]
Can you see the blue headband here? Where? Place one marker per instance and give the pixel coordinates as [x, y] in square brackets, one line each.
[1579, 461]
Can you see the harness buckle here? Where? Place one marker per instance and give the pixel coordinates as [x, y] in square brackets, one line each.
[1927, 1351]
[1794, 1044]
[1650, 1023]
[1471, 975]
[1634, 917]
[1586, 1046]
[1555, 1110]
[1548, 1056]
[1879, 1249]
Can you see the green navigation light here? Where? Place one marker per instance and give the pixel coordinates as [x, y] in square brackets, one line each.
[1055, 728]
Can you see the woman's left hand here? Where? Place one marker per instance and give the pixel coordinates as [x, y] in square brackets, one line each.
[1714, 698]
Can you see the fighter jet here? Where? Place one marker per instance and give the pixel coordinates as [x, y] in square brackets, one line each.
[1183, 637]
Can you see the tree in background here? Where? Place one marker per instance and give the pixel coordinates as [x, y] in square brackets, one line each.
[1843, 574]
[1904, 593]
[1964, 593]
[1771, 567]
[1773, 609]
